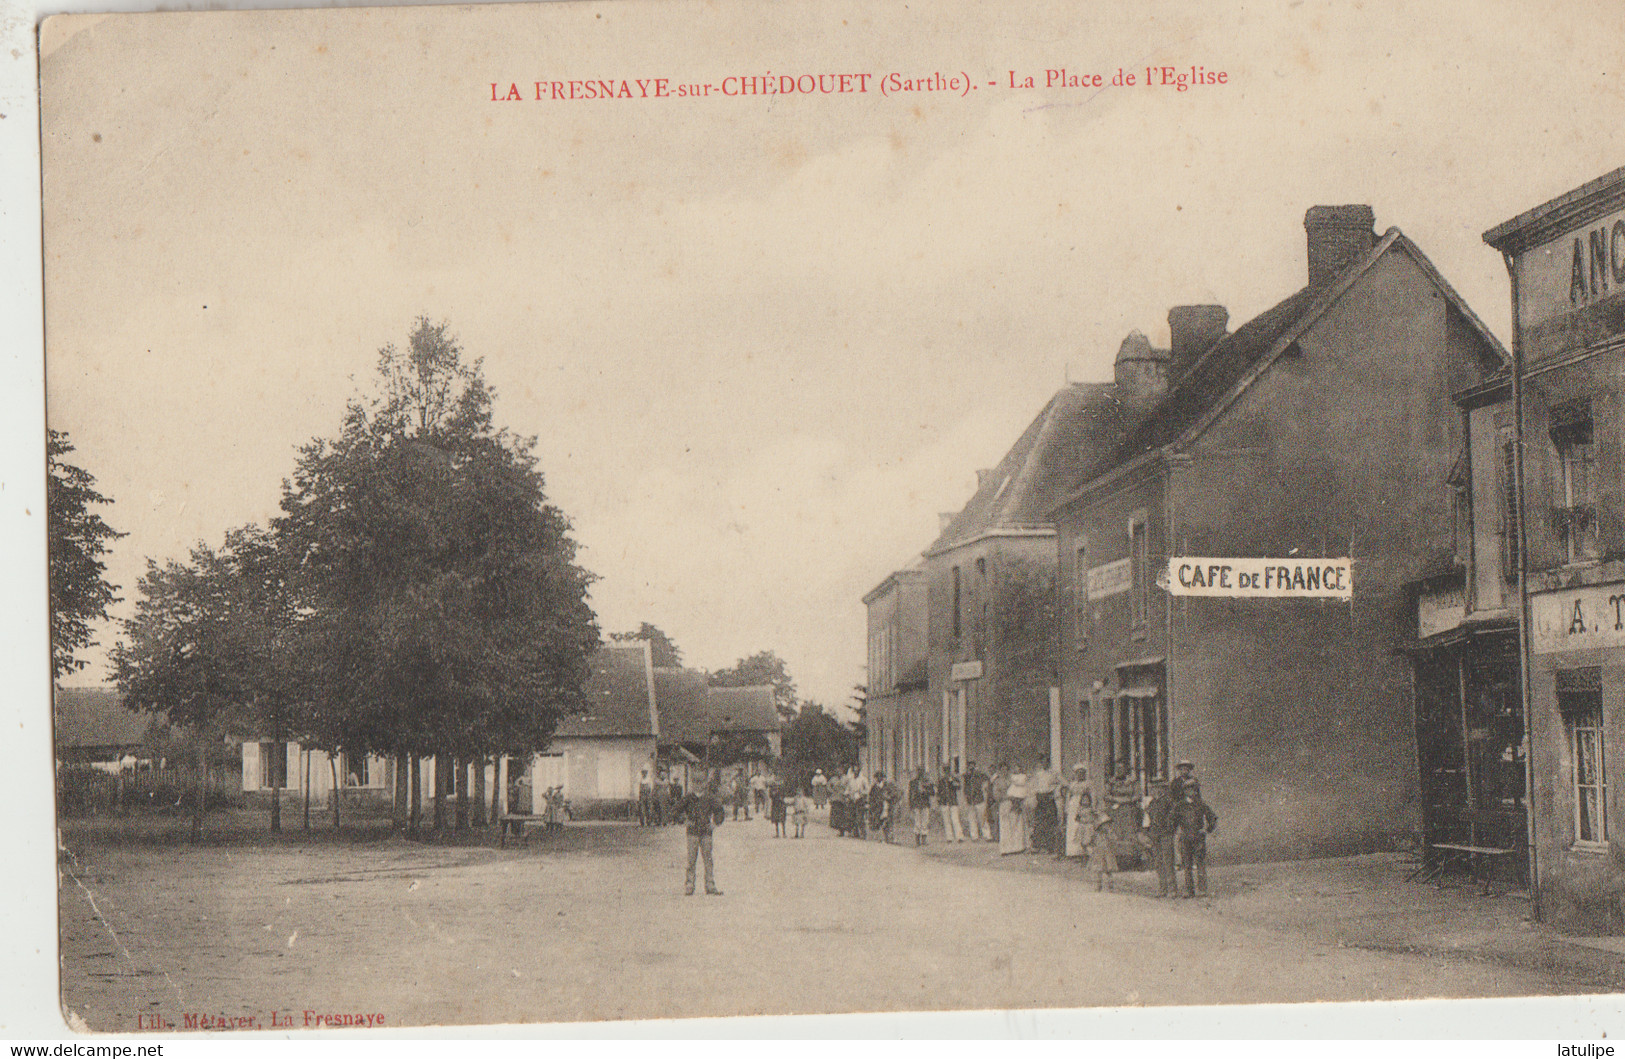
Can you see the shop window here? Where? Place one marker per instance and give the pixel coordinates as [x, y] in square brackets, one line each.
[1579, 699]
[273, 765]
[1575, 513]
[1137, 735]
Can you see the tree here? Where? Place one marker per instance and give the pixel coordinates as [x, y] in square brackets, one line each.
[77, 540]
[813, 739]
[447, 613]
[665, 653]
[763, 667]
[185, 652]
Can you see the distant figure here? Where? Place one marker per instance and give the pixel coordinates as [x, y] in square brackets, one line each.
[948, 805]
[1080, 810]
[820, 788]
[758, 792]
[646, 800]
[880, 796]
[1044, 822]
[776, 811]
[704, 812]
[662, 803]
[741, 797]
[1194, 822]
[973, 802]
[1013, 816]
[802, 809]
[1102, 852]
[1184, 774]
[919, 803]
[857, 793]
[1159, 831]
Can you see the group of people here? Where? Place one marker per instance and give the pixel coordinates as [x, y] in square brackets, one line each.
[658, 800]
[1039, 812]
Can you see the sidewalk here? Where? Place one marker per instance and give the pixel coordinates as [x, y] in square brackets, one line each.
[1362, 902]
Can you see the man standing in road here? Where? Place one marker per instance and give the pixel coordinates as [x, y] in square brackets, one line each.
[703, 812]
[1194, 821]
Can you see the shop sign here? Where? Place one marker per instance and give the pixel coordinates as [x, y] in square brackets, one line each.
[1573, 272]
[1253, 577]
[1111, 578]
[966, 671]
[1440, 610]
[1577, 619]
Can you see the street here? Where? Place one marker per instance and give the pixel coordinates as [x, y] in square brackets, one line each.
[591, 924]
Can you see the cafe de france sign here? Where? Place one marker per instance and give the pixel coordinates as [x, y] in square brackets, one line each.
[1577, 619]
[1254, 577]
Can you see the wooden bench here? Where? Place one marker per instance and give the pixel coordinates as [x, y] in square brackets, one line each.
[1472, 855]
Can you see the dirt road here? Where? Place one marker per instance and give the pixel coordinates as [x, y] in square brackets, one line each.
[593, 925]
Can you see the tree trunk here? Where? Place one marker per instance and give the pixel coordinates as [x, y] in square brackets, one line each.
[278, 775]
[439, 794]
[461, 765]
[202, 787]
[398, 818]
[479, 791]
[338, 788]
[414, 797]
[304, 765]
[499, 803]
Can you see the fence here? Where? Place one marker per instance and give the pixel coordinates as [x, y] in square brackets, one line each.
[83, 790]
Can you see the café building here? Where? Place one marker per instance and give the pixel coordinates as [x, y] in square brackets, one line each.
[1566, 260]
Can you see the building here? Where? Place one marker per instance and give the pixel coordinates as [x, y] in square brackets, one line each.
[897, 713]
[93, 728]
[991, 662]
[1567, 265]
[602, 755]
[1319, 439]
[703, 727]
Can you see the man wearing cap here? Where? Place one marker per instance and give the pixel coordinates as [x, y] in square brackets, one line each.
[1184, 773]
[703, 813]
[919, 803]
[973, 797]
[948, 803]
[1194, 821]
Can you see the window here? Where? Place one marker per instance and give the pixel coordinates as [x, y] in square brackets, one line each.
[1080, 596]
[1579, 698]
[355, 771]
[1140, 561]
[1576, 514]
[958, 602]
[273, 765]
[1137, 735]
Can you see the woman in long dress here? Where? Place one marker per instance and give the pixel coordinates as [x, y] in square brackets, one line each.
[1013, 816]
[1043, 821]
[1080, 808]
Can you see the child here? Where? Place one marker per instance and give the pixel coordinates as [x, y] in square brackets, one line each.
[803, 805]
[1102, 857]
[775, 796]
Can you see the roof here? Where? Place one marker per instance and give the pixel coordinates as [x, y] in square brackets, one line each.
[95, 717]
[1079, 422]
[1567, 211]
[691, 710]
[1226, 370]
[620, 695]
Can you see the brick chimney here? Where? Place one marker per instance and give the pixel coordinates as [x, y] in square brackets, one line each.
[1337, 235]
[1141, 372]
[1194, 329]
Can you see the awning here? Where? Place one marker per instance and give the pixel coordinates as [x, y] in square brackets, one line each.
[1139, 663]
[681, 753]
[1140, 691]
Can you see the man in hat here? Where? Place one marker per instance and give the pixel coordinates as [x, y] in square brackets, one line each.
[1194, 821]
[919, 804]
[1160, 826]
[973, 797]
[1184, 773]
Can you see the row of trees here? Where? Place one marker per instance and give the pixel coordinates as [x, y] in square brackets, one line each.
[417, 596]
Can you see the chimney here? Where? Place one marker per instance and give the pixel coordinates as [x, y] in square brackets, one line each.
[1194, 329]
[1337, 235]
[944, 519]
[1141, 372]
[981, 476]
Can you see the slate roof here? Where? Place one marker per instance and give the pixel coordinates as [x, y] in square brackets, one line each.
[1080, 423]
[93, 717]
[690, 709]
[680, 695]
[1230, 365]
[620, 696]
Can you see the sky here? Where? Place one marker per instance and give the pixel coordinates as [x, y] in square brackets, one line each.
[762, 340]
